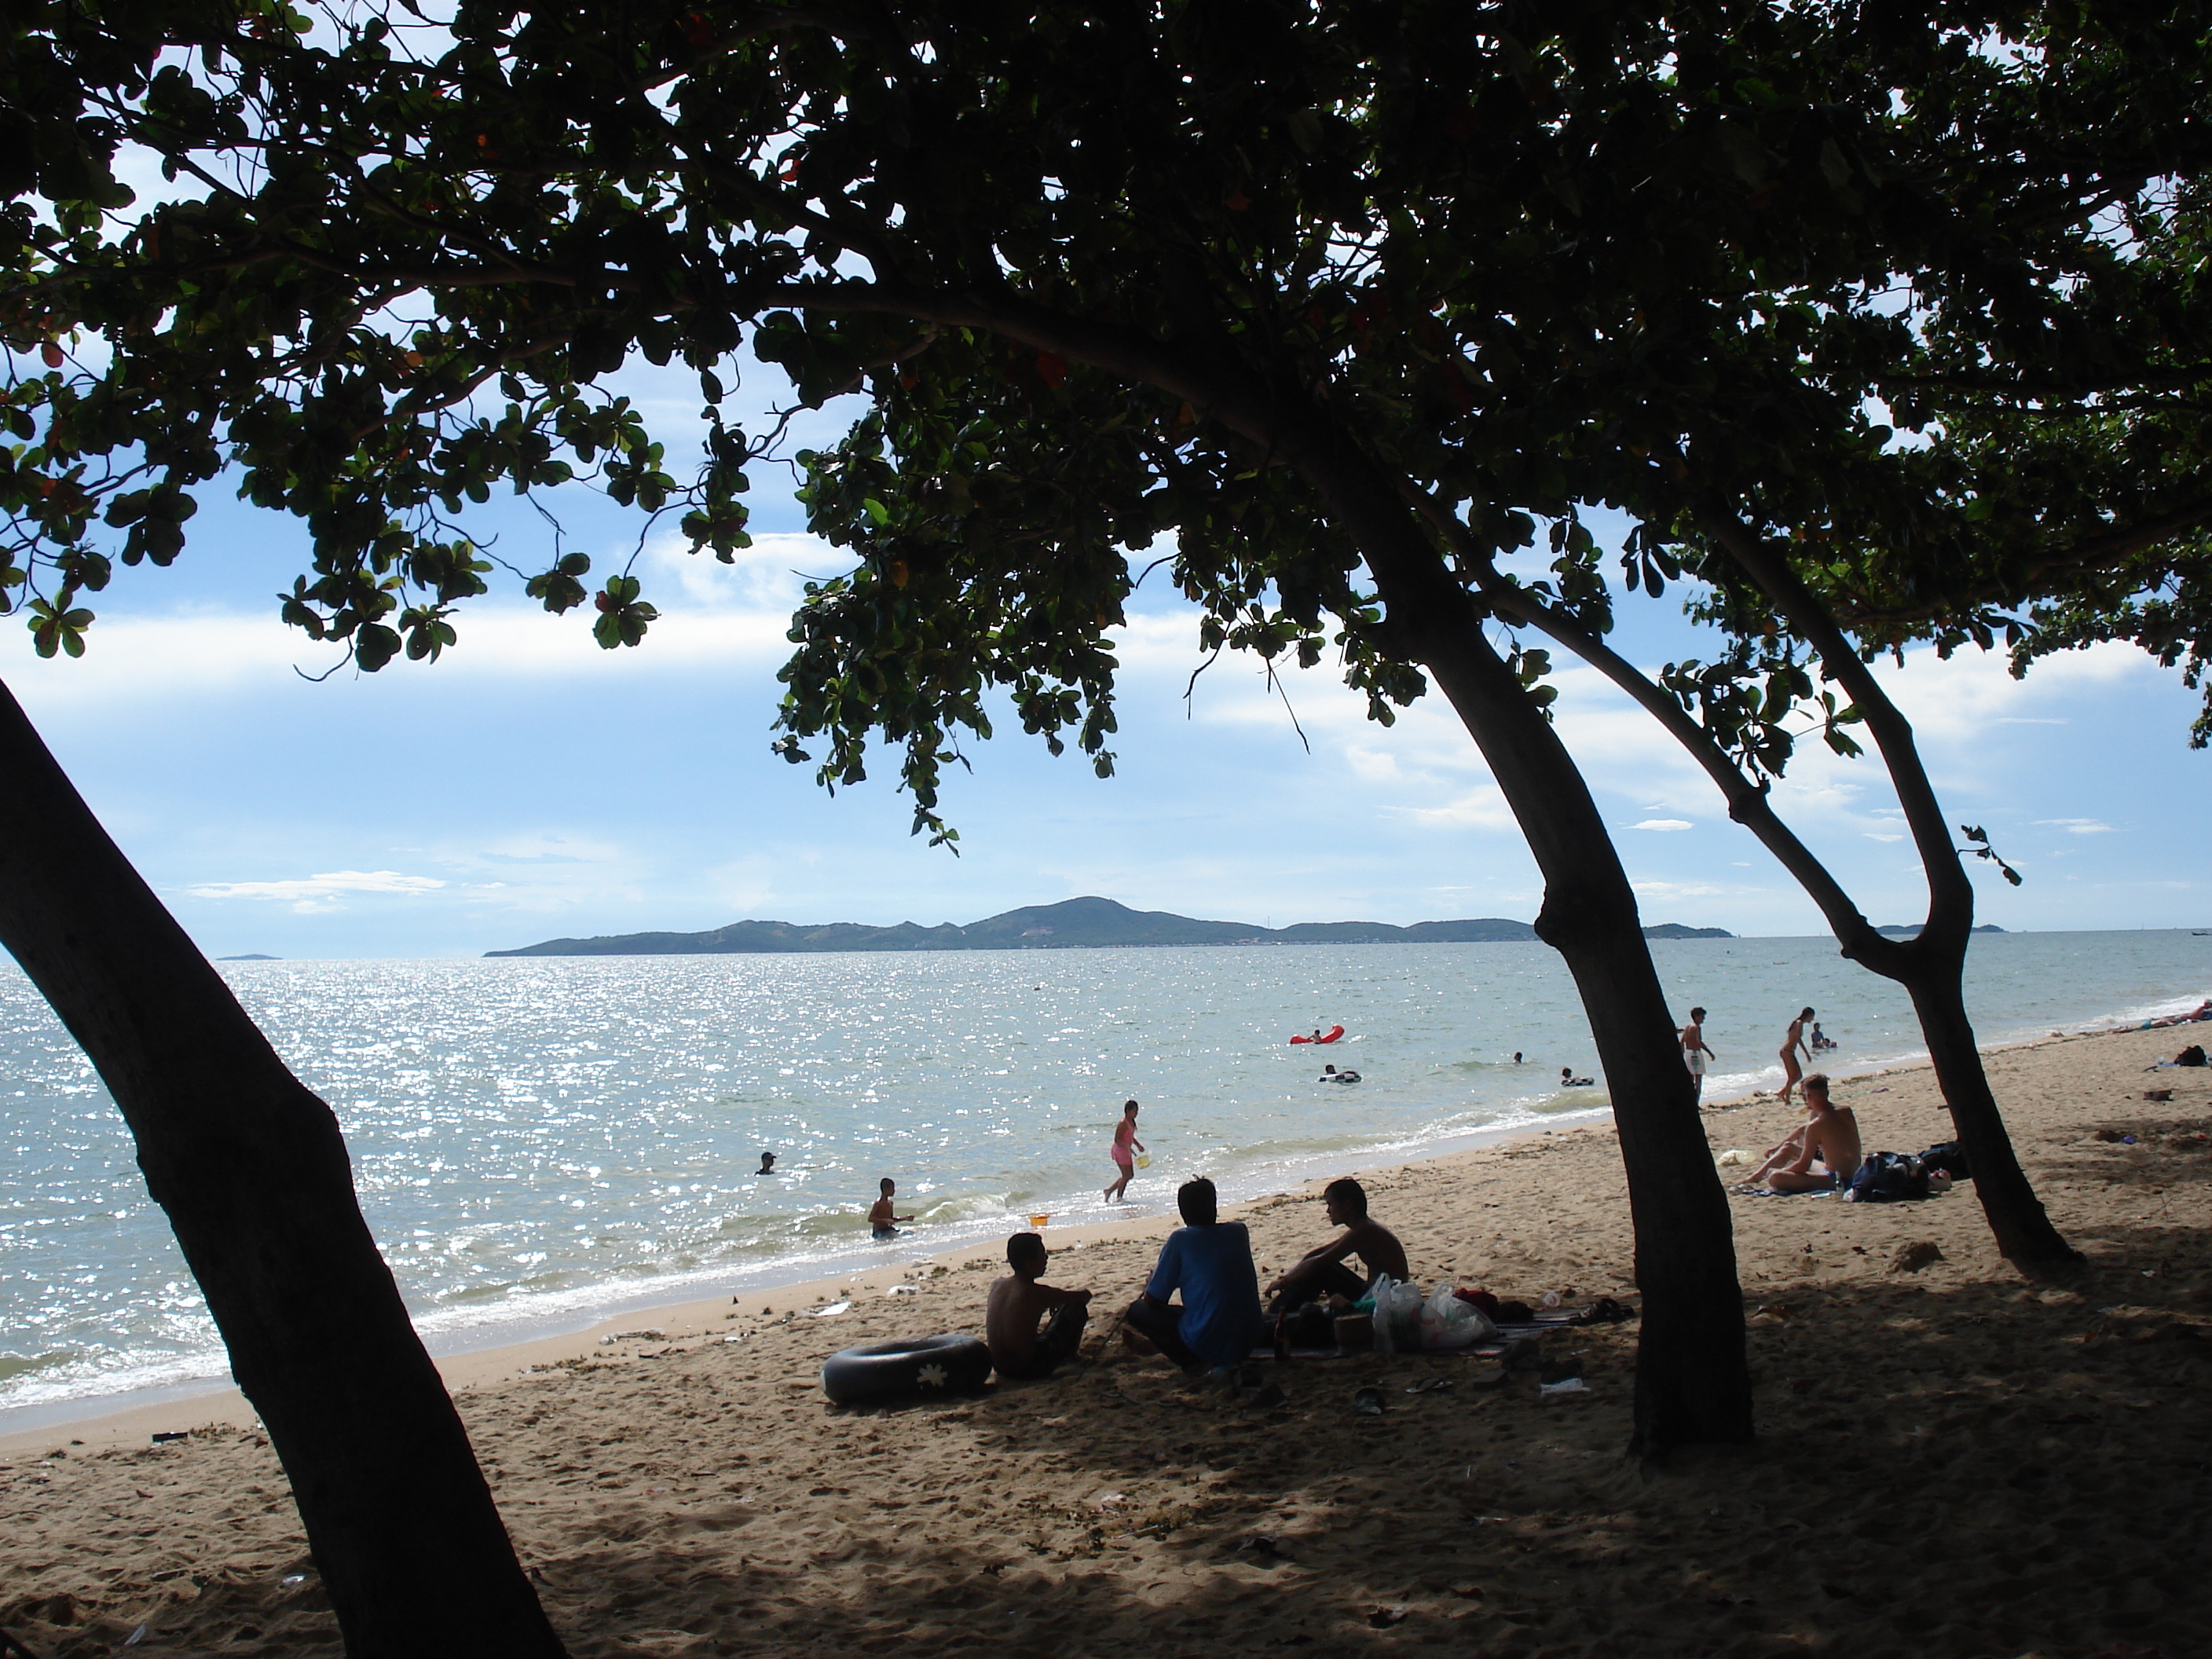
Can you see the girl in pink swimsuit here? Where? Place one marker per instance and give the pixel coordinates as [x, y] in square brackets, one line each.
[1125, 1160]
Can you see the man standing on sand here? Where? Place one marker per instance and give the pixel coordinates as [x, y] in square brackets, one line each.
[1695, 1054]
[1210, 1261]
[1830, 1138]
[1791, 1045]
[1125, 1160]
[1020, 1352]
[1321, 1272]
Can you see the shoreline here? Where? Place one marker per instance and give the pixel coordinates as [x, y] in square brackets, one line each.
[109, 1420]
[132, 1417]
[677, 1496]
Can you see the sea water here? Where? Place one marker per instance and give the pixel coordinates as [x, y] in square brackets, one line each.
[540, 1142]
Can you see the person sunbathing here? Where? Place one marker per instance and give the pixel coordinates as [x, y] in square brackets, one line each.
[1019, 1350]
[1829, 1139]
[1321, 1272]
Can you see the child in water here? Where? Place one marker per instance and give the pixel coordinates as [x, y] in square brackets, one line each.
[879, 1213]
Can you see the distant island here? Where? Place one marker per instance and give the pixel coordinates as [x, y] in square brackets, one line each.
[1911, 929]
[251, 956]
[1072, 924]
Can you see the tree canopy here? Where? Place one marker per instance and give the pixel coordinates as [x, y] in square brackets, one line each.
[1107, 275]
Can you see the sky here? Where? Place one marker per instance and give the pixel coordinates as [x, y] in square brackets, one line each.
[531, 786]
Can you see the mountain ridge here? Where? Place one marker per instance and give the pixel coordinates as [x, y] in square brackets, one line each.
[1086, 923]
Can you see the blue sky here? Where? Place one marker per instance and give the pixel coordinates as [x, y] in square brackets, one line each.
[532, 785]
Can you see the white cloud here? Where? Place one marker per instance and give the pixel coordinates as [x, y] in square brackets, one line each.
[1664, 824]
[1482, 809]
[1674, 889]
[2079, 826]
[311, 894]
[1874, 836]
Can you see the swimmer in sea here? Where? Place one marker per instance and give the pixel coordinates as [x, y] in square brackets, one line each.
[1568, 1081]
[1330, 1074]
[1124, 1159]
[879, 1213]
[768, 1164]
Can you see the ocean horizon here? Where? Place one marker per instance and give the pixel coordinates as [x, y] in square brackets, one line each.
[541, 1142]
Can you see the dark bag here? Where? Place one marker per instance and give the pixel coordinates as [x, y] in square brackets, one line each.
[1949, 1157]
[1888, 1178]
[2193, 1055]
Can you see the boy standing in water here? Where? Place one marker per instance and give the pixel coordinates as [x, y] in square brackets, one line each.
[879, 1213]
[1125, 1160]
[1791, 1045]
[1695, 1054]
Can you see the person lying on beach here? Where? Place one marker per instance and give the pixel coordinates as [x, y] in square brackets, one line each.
[1210, 1261]
[1019, 1350]
[879, 1213]
[1321, 1272]
[1828, 1138]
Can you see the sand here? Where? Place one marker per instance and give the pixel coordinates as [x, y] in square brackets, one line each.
[1953, 1462]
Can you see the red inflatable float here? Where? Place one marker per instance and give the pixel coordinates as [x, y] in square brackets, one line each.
[1335, 1032]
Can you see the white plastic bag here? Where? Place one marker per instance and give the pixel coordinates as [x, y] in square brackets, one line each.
[1448, 1324]
[1397, 1314]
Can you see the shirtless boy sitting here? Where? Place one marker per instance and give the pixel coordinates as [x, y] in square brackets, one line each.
[1829, 1139]
[1321, 1272]
[1019, 1349]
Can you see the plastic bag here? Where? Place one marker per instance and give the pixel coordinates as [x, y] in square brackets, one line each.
[1448, 1324]
[1397, 1314]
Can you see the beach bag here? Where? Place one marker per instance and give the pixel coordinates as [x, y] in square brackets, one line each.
[2193, 1055]
[1947, 1157]
[1888, 1178]
[1448, 1324]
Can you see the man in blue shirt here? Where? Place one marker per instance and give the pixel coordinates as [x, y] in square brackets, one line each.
[1210, 1261]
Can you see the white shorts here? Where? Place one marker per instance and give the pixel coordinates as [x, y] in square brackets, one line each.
[1695, 1059]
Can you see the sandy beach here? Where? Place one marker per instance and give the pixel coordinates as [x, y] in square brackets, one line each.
[1953, 1460]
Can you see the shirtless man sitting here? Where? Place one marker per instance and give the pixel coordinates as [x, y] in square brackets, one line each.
[1019, 1350]
[1321, 1272]
[1828, 1138]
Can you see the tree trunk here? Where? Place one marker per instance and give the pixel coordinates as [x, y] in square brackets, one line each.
[252, 1170]
[2024, 1235]
[1692, 1378]
[1932, 966]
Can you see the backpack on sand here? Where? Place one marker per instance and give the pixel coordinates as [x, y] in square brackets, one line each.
[1888, 1178]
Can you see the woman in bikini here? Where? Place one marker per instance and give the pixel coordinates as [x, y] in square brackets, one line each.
[1791, 1045]
[1124, 1151]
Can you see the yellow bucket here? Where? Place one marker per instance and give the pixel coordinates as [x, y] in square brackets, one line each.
[1039, 1221]
[1143, 1160]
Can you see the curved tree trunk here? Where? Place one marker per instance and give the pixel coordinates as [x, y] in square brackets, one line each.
[252, 1170]
[1932, 966]
[1693, 1377]
[2025, 1234]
